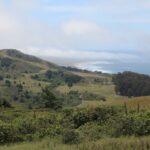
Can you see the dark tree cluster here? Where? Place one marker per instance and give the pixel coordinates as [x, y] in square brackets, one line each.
[1, 77]
[52, 74]
[4, 103]
[5, 62]
[71, 79]
[132, 84]
[47, 99]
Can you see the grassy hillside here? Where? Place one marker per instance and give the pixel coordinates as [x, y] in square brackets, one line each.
[31, 74]
[99, 120]
[15, 62]
[16, 71]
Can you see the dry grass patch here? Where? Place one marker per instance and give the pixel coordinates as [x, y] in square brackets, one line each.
[132, 103]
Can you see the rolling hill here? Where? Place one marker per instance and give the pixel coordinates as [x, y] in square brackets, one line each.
[92, 114]
[23, 76]
[17, 62]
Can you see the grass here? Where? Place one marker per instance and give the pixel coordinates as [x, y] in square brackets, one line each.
[111, 98]
[126, 143]
[31, 84]
[132, 103]
[105, 90]
[91, 75]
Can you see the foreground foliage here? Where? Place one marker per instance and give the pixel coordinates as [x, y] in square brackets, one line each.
[127, 143]
[72, 125]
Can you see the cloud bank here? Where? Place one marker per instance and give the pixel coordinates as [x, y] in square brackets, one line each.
[75, 32]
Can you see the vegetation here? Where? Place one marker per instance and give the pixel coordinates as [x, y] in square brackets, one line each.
[67, 108]
[49, 99]
[73, 125]
[128, 143]
[132, 84]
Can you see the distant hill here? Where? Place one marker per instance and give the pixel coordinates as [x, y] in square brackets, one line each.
[14, 61]
[22, 76]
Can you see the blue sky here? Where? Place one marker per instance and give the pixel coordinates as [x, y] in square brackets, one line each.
[110, 35]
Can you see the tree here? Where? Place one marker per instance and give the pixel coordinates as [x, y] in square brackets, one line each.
[132, 84]
[4, 103]
[70, 137]
[49, 74]
[70, 84]
[7, 83]
[1, 78]
[70, 79]
[19, 87]
[50, 100]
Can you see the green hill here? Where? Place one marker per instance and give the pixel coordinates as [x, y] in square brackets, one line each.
[14, 61]
[79, 109]
[22, 76]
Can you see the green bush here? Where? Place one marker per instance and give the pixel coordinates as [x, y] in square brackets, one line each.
[4, 103]
[9, 133]
[50, 100]
[131, 124]
[72, 125]
[80, 118]
[7, 83]
[70, 137]
[1, 77]
[93, 131]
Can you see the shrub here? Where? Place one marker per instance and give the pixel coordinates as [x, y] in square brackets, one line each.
[50, 100]
[7, 83]
[4, 103]
[80, 118]
[131, 124]
[1, 78]
[70, 137]
[9, 134]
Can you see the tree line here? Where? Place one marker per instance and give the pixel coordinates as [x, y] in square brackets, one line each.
[132, 84]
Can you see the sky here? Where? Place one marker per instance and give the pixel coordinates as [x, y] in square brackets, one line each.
[104, 35]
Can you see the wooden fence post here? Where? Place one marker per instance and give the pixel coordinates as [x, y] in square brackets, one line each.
[126, 108]
[138, 108]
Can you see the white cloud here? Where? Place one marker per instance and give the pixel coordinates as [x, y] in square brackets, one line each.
[72, 32]
[80, 27]
[86, 33]
[8, 21]
[104, 57]
[143, 45]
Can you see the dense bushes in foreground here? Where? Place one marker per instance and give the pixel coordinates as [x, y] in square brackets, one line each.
[73, 125]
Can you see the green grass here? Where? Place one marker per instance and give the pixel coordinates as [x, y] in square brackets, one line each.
[105, 90]
[109, 92]
[128, 143]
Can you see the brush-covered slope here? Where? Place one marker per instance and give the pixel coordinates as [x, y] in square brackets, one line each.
[14, 62]
[22, 76]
